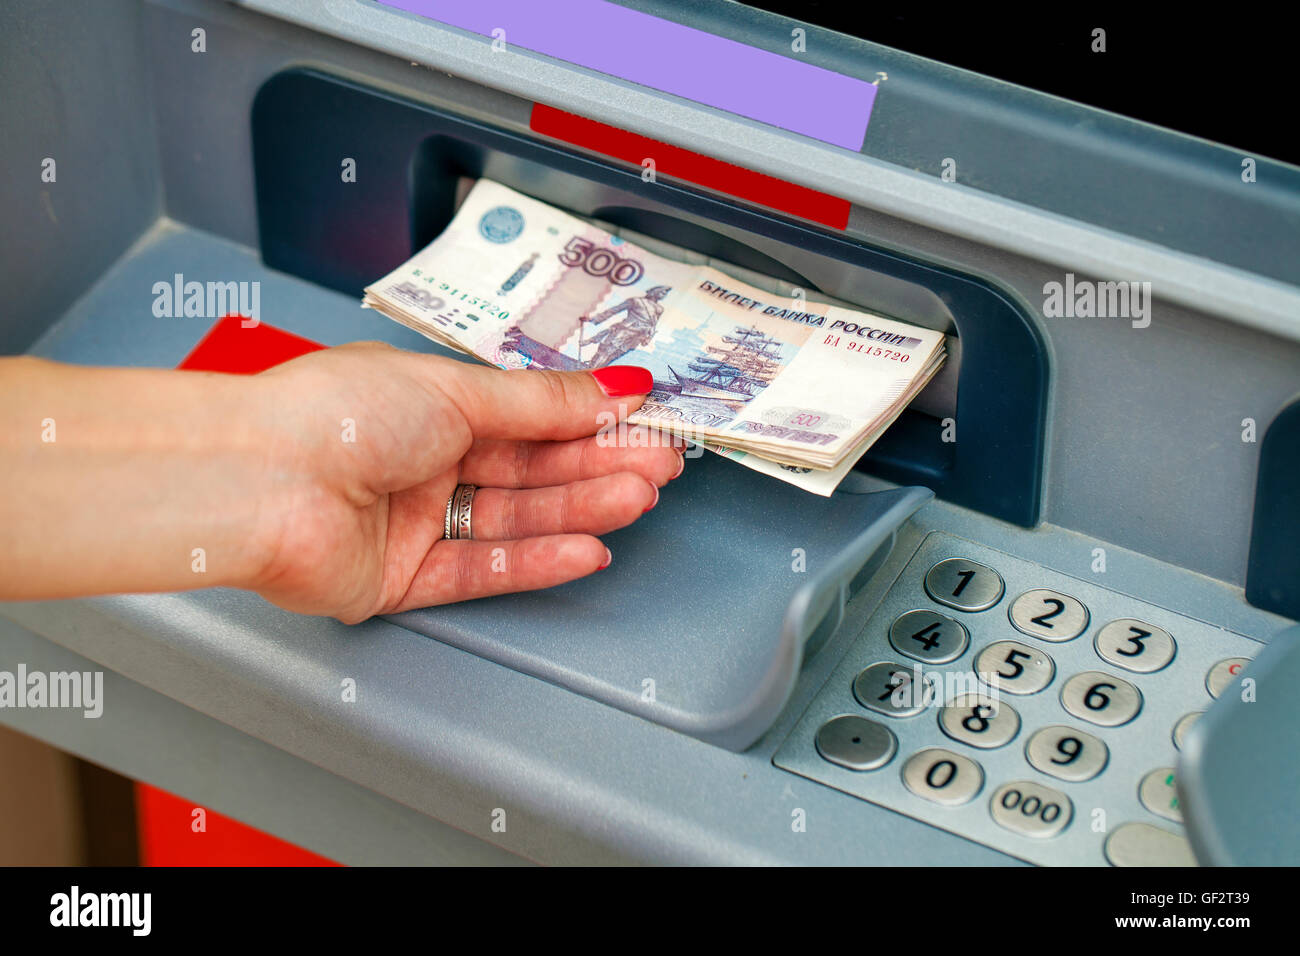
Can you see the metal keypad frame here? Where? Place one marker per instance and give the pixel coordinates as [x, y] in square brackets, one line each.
[1137, 748]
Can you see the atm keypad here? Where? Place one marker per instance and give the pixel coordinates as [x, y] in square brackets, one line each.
[1005, 725]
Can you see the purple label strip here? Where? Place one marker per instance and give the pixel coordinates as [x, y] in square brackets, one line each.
[674, 59]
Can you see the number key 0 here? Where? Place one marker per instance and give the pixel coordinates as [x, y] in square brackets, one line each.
[943, 777]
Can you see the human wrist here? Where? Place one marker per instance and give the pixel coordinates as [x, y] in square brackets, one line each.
[265, 473]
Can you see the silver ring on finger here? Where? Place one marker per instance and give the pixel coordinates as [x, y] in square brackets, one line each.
[457, 523]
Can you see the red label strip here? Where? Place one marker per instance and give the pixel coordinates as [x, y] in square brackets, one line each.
[693, 167]
[165, 822]
[230, 346]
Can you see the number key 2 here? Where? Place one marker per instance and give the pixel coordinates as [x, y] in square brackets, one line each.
[1049, 615]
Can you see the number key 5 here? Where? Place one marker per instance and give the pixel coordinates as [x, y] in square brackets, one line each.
[1014, 667]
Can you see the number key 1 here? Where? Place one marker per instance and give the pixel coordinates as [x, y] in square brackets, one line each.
[964, 584]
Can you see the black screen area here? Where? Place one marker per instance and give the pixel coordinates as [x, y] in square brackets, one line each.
[1226, 74]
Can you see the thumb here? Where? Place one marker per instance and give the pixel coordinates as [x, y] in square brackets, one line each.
[539, 404]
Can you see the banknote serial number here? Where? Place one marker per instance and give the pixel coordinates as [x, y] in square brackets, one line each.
[451, 292]
[863, 348]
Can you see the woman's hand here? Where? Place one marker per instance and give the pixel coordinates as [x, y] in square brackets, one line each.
[321, 483]
[374, 442]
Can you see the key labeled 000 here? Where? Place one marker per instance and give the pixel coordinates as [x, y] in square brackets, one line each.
[1031, 809]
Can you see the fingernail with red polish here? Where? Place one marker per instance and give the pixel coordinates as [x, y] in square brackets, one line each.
[656, 500]
[609, 557]
[618, 380]
[681, 467]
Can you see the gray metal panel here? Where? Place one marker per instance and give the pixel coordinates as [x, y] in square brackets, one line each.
[74, 91]
[719, 610]
[1191, 280]
[205, 152]
[1120, 174]
[114, 323]
[1135, 412]
[148, 736]
[454, 736]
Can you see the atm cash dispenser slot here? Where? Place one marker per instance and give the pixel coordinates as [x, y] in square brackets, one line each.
[729, 614]
[344, 235]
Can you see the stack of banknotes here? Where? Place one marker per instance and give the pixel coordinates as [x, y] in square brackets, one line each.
[792, 388]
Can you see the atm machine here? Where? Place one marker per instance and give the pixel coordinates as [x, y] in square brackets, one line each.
[1095, 505]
